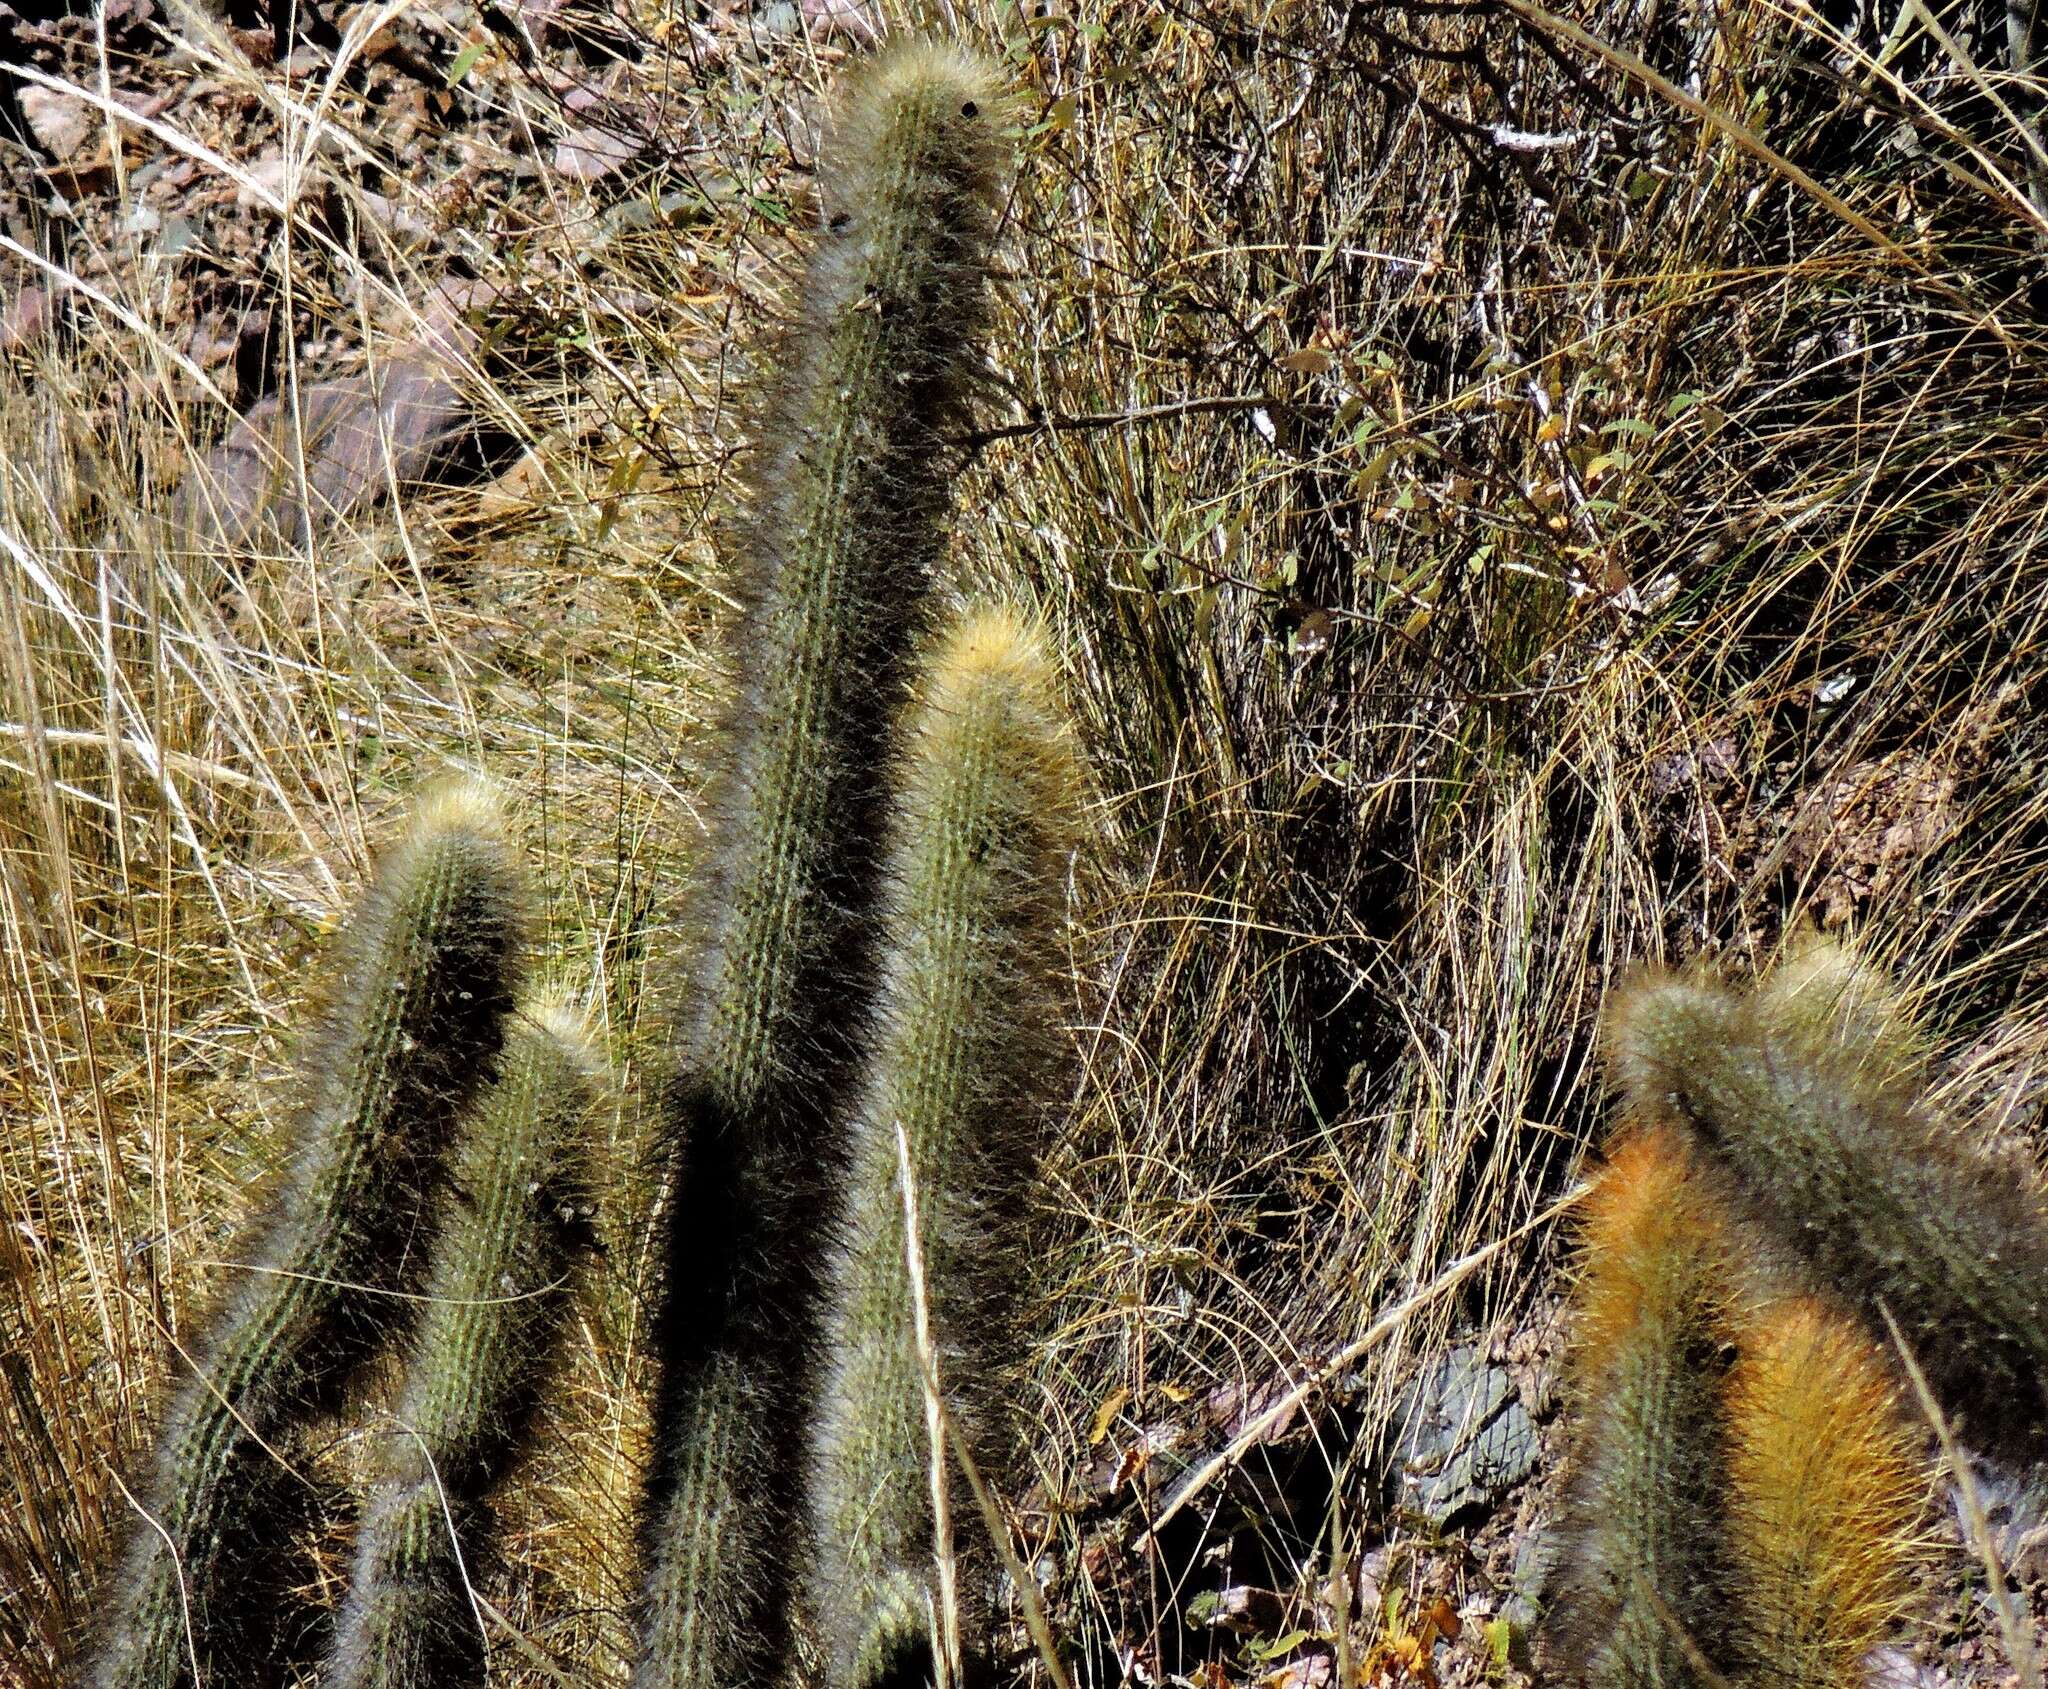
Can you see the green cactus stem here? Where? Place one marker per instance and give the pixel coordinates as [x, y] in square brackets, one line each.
[1823, 993]
[496, 1295]
[411, 1024]
[1830, 1144]
[834, 565]
[968, 1039]
[1643, 1594]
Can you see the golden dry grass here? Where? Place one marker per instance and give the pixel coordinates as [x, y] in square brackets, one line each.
[1520, 493]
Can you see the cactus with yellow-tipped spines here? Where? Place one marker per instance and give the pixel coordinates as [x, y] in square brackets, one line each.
[1824, 993]
[1643, 1594]
[411, 1025]
[967, 1040]
[1825, 1490]
[1825, 1134]
[495, 1298]
[834, 564]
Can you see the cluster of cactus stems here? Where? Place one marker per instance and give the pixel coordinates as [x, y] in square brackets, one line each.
[1809, 1095]
[865, 1045]
[837, 566]
[1783, 1160]
[865, 1041]
[407, 1056]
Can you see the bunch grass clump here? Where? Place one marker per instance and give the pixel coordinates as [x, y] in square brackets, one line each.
[1480, 564]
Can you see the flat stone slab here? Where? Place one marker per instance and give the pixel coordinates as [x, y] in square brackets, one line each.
[1462, 1437]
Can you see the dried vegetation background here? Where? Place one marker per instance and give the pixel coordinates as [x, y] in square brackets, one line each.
[1521, 492]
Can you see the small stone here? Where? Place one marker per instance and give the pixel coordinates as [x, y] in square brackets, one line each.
[1535, 1562]
[1465, 1437]
[64, 125]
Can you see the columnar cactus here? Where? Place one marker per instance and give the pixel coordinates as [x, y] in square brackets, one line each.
[966, 1050]
[1825, 1491]
[1830, 1145]
[496, 1294]
[1644, 1561]
[411, 1026]
[834, 565]
[1823, 993]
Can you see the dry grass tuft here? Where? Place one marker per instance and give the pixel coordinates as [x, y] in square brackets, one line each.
[1522, 493]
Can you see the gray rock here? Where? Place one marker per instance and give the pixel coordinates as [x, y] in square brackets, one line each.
[1535, 1561]
[1462, 1437]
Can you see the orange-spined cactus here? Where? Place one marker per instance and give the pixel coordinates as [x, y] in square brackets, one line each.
[1826, 1485]
[1809, 1096]
[1644, 1562]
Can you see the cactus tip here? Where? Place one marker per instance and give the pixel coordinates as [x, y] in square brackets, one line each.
[463, 803]
[1653, 1022]
[940, 76]
[1828, 1000]
[1648, 1233]
[994, 658]
[570, 1029]
[995, 640]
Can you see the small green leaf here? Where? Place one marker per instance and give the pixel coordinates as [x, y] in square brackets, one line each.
[1375, 471]
[1273, 1649]
[1500, 1636]
[465, 62]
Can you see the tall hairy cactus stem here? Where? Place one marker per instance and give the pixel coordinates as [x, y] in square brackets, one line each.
[967, 1051]
[1821, 1123]
[412, 1023]
[1644, 1550]
[1825, 1493]
[834, 565]
[496, 1296]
